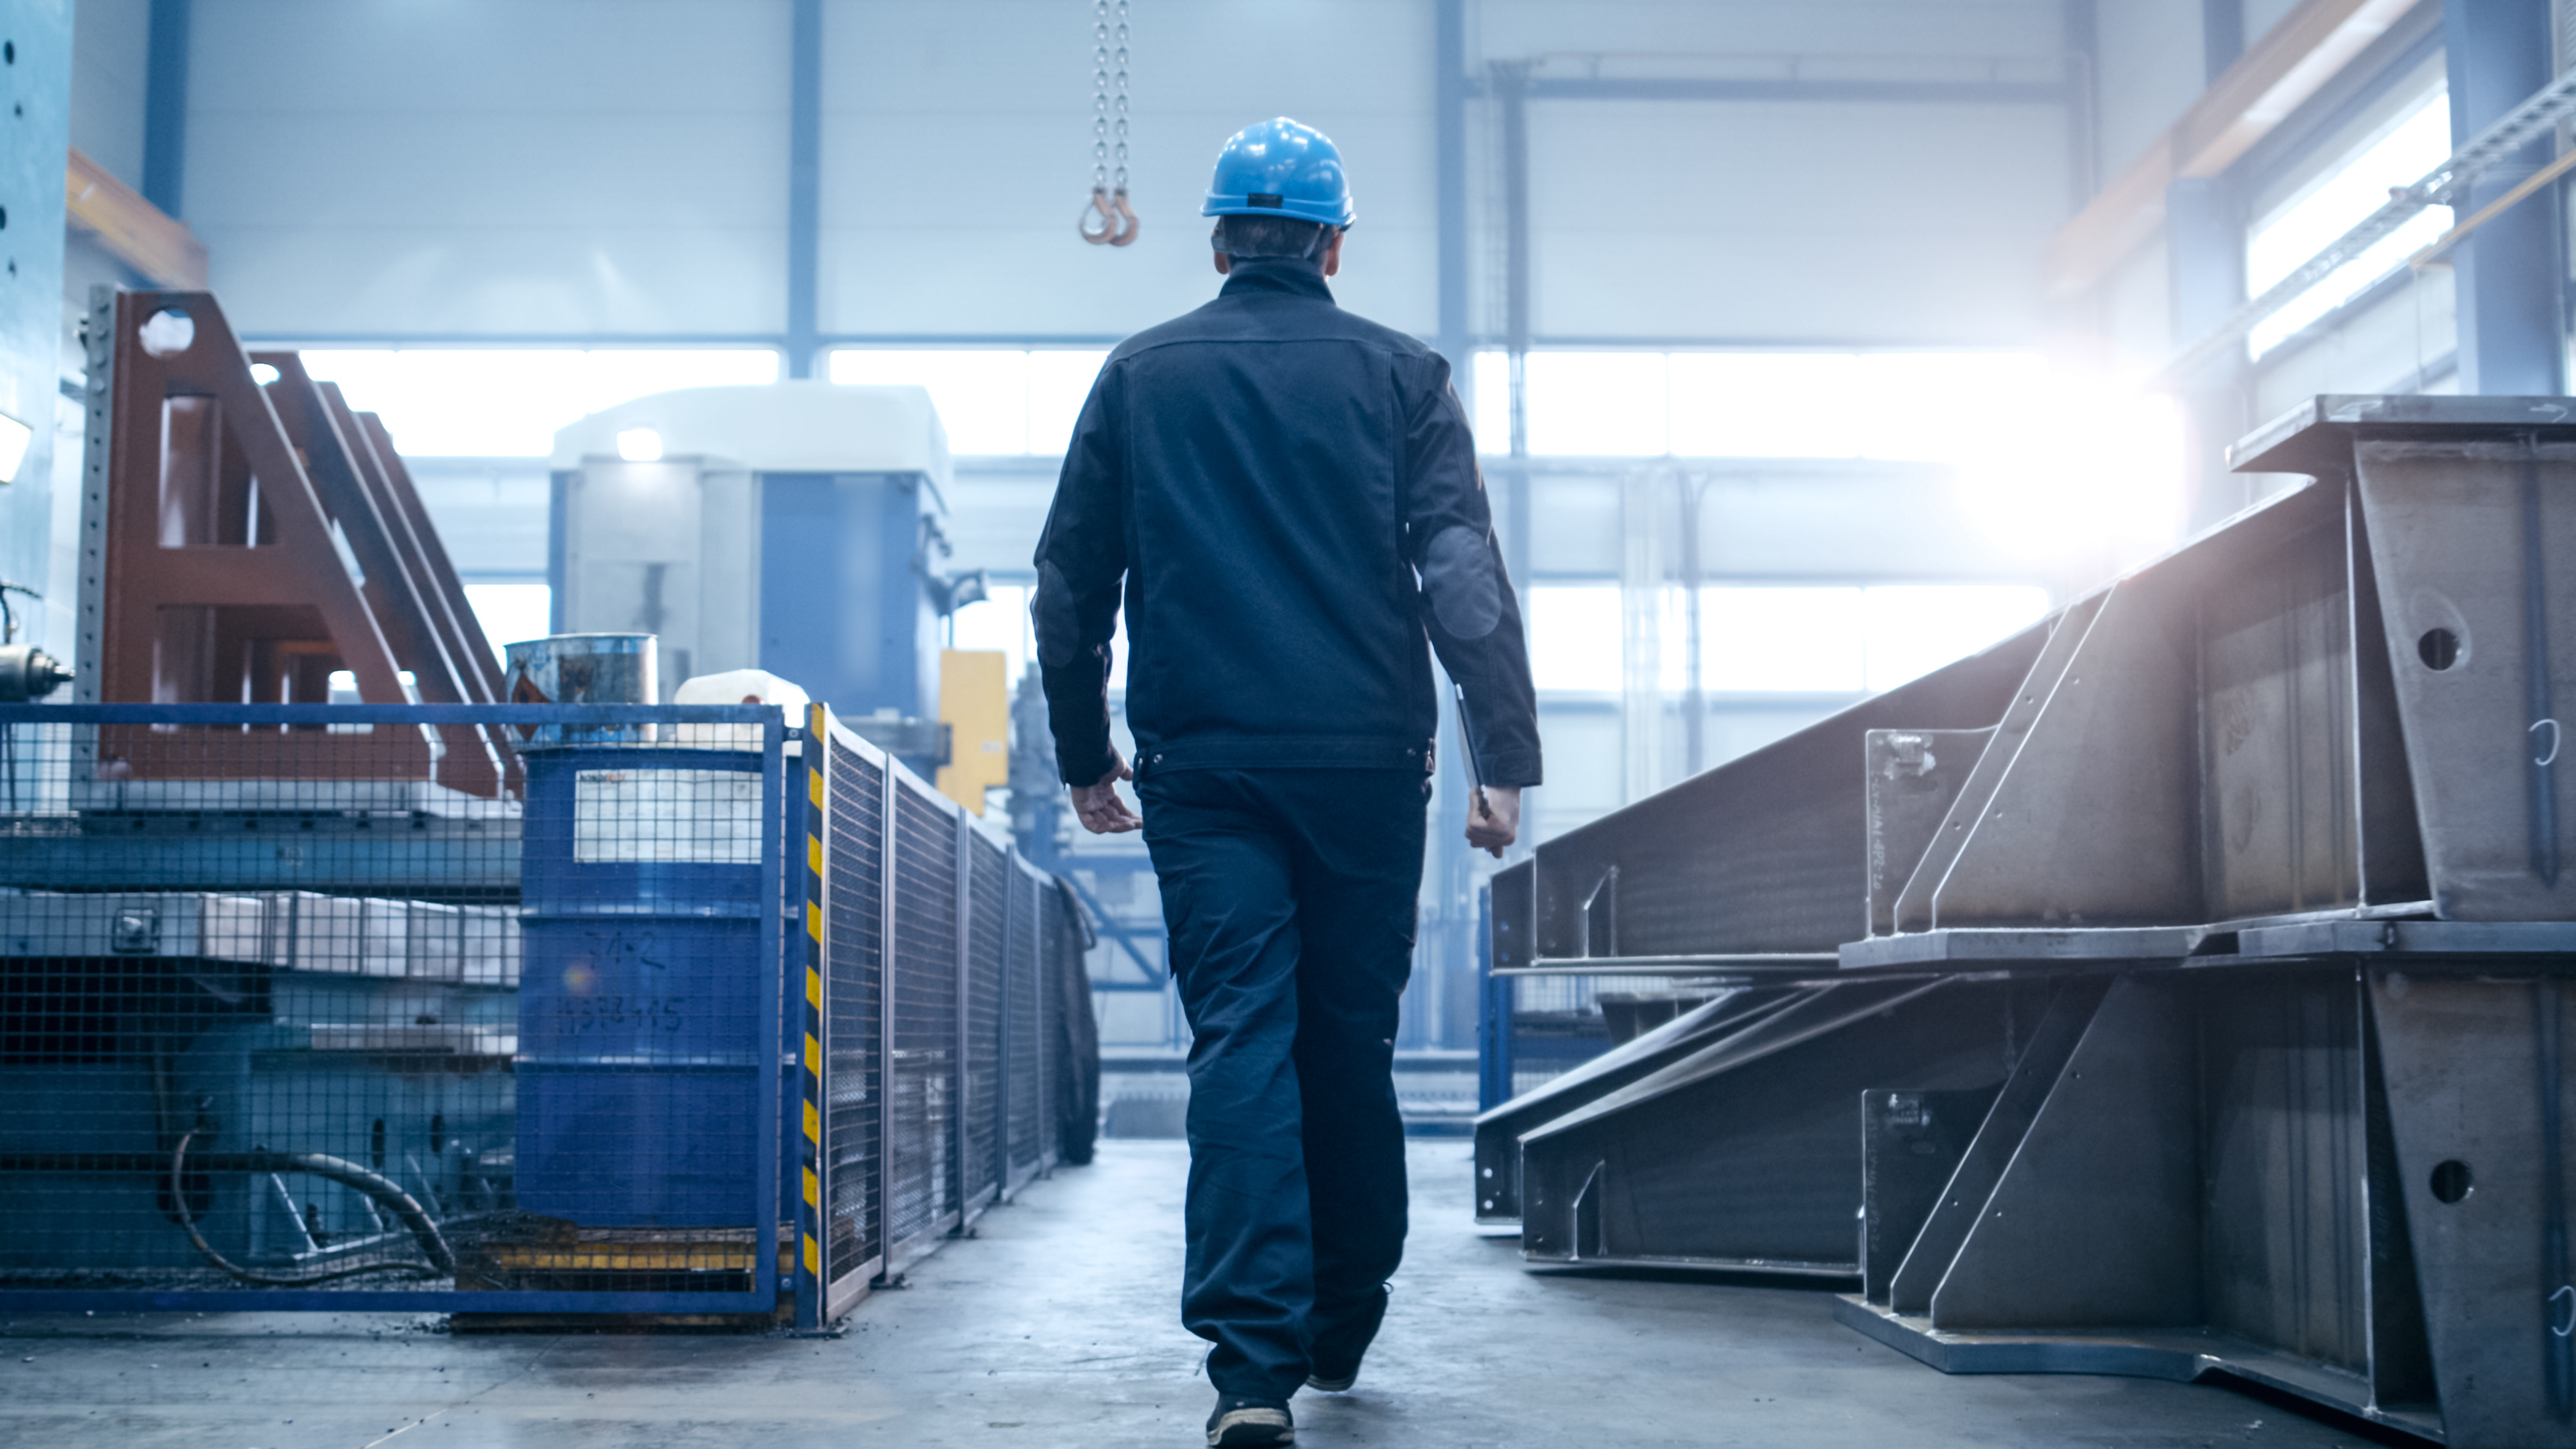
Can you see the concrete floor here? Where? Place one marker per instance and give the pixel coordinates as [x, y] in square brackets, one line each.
[1057, 1327]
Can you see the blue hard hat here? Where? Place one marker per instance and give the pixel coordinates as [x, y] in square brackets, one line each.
[1280, 168]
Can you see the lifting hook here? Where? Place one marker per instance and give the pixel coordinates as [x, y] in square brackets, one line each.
[1117, 220]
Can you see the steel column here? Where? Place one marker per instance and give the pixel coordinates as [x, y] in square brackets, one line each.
[165, 105]
[2205, 254]
[804, 185]
[1449, 145]
[2510, 287]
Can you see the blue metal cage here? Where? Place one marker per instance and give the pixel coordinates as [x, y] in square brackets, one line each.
[295, 1022]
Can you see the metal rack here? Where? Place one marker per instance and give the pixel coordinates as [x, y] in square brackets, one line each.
[2177, 987]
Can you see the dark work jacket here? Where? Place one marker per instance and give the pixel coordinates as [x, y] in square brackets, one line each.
[1289, 494]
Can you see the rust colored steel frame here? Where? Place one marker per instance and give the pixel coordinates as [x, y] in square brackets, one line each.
[219, 513]
[354, 466]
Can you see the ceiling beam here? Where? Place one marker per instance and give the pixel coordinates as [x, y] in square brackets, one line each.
[157, 246]
[2308, 48]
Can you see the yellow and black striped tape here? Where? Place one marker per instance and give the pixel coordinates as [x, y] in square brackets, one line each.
[809, 1209]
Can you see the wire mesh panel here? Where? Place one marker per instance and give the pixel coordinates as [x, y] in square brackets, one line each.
[854, 962]
[988, 868]
[288, 1004]
[920, 1176]
[1058, 957]
[1021, 1026]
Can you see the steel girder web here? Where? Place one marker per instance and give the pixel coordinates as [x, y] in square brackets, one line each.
[1498, 1131]
[1746, 1154]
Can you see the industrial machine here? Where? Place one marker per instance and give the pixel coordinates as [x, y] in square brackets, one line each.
[793, 527]
[480, 994]
[2175, 987]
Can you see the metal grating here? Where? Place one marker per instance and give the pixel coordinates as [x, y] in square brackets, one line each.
[988, 869]
[920, 1178]
[1059, 943]
[853, 1129]
[1022, 1020]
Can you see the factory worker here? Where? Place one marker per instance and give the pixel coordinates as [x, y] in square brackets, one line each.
[1284, 499]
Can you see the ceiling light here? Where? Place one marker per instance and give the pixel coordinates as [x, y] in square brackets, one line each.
[640, 445]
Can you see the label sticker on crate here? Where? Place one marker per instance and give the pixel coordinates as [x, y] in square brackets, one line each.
[699, 817]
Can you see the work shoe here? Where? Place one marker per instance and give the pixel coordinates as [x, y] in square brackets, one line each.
[1333, 1359]
[1335, 1384]
[1242, 1420]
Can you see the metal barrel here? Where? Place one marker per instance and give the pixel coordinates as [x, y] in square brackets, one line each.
[585, 669]
[638, 1041]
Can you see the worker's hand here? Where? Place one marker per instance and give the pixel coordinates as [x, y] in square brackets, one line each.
[1494, 818]
[1102, 810]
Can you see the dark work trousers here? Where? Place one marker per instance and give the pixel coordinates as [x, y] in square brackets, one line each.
[1290, 896]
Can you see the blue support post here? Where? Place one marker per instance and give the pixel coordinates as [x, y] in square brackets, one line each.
[804, 185]
[165, 105]
[37, 81]
[1449, 133]
[1494, 1013]
[2083, 29]
[2222, 36]
[2511, 311]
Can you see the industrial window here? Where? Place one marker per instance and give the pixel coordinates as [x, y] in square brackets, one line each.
[512, 612]
[1789, 640]
[1574, 638]
[1769, 639]
[1905, 406]
[508, 403]
[1000, 622]
[1926, 406]
[1600, 404]
[2397, 152]
[991, 400]
[1909, 630]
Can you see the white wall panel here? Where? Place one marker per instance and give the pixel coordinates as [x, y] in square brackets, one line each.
[994, 514]
[2137, 310]
[598, 167]
[1860, 28]
[492, 166]
[957, 154]
[111, 62]
[2153, 68]
[1793, 222]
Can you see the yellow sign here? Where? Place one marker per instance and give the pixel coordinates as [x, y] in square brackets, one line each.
[975, 701]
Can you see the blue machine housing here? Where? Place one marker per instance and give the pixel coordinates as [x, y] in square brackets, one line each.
[844, 610]
[792, 527]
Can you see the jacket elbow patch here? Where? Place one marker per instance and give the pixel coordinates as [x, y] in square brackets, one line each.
[1458, 578]
[1058, 634]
